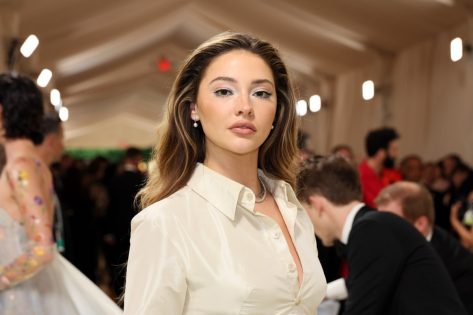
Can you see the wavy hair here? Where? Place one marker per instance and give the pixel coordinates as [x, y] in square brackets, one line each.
[181, 146]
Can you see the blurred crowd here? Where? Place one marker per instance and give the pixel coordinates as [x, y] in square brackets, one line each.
[448, 179]
[97, 198]
[436, 197]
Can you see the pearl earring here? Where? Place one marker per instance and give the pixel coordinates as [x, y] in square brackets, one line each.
[195, 122]
[272, 127]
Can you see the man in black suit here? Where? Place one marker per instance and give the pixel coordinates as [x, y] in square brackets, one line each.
[414, 203]
[392, 268]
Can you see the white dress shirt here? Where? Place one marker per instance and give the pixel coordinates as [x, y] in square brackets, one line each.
[205, 250]
[337, 289]
[349, 222]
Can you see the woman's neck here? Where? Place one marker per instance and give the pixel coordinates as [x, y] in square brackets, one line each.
[240, 168]
[19, 147]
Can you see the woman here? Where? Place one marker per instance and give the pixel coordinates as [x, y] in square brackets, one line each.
[34, 278]
[223, 232]
[464, 229]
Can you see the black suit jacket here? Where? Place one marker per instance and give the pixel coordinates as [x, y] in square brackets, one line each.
[394, 270]
[459, 264]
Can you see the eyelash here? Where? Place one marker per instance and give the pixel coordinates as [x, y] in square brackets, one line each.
[264, 95]
[227, 92]
[220, 92]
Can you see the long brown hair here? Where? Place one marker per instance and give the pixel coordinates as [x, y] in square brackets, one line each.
[181, 145]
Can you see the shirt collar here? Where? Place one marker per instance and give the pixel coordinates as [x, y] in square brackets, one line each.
[349, 222]
[429, 236]
[225, 194]
[281, 189]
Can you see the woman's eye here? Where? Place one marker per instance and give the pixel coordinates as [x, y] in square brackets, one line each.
[263, 94]
[223, 92]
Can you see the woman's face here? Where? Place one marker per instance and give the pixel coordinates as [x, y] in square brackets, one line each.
[236, 103]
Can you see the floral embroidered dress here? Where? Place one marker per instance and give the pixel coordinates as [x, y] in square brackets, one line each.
[27, 284]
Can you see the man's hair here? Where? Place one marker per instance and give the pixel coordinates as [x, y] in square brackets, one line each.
[378, 139]
[51, 124]
[331, 177]
[415, 200]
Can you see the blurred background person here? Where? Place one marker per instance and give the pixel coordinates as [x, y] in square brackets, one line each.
[345, 151]
[392, 268]
[414, 203]
[377, 170]
[449, 163]
[303, 151]
[411, 168]
[461, 218]
[438, 187]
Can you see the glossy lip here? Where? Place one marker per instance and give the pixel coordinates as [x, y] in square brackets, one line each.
[243, 127]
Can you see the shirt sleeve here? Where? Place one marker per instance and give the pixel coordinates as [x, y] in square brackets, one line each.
[156, 278]
[337, 290]
[33, 195]
[374, 261]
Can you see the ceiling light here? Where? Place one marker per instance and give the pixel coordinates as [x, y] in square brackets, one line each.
[301, 108]
[63, 113]
[29, 45]
[55, 97]
[368, 90]
[44, 77]
[315, 103]
[456, 49]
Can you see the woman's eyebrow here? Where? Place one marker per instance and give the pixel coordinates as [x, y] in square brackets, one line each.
[232, 80]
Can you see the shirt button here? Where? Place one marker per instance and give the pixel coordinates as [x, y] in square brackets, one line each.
[297, 302]
[277, 235]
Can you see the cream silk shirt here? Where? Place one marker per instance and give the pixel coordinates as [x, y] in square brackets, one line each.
[204, 250]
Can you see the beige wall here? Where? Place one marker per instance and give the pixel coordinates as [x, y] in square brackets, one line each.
[429, 101]
[9, 28]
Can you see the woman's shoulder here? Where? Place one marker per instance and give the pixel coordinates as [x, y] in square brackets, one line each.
[24, 161]
[24, 167]
[165, 209]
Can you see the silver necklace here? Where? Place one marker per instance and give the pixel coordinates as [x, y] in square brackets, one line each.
[262, 195]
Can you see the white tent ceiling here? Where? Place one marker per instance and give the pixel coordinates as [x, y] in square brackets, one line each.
[103, 53]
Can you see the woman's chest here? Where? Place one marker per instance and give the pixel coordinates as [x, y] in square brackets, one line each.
[249, 267]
